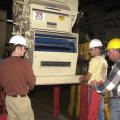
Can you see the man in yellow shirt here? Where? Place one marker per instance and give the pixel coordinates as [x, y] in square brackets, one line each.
[97, 71]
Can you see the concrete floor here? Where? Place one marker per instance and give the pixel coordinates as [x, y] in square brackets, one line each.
[42, 102]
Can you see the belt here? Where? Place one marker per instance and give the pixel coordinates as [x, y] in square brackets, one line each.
[114, 97]
[18, 95]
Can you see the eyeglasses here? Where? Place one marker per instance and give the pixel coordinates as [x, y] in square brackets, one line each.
[25, 47]
[112, 51]
[90, 49]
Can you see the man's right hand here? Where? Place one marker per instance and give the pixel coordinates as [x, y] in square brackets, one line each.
[82, 79]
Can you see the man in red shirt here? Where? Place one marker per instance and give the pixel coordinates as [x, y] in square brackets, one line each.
[17, 79]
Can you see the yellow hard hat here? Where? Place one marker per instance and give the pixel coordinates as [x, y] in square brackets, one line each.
[114, 44]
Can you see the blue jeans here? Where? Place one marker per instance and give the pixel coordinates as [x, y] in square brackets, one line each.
[115, 108]
[101, 109]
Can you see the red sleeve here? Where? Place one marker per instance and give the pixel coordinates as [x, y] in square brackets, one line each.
[30, 77]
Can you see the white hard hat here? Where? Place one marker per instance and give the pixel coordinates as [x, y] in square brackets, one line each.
[95, 43]
[18, 39]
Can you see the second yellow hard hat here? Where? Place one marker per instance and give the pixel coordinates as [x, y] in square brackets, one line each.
[114, 44]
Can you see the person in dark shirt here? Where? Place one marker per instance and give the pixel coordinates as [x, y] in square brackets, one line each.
[17, 79]
[112, 83]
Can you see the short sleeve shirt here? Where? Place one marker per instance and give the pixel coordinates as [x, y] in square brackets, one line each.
[98, 68]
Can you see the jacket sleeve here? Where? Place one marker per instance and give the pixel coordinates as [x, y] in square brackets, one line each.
[30, 77]
[111, 82]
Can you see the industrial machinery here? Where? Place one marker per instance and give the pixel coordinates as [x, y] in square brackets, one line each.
[47, 26]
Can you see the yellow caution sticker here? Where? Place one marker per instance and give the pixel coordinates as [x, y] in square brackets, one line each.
[62, 18]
